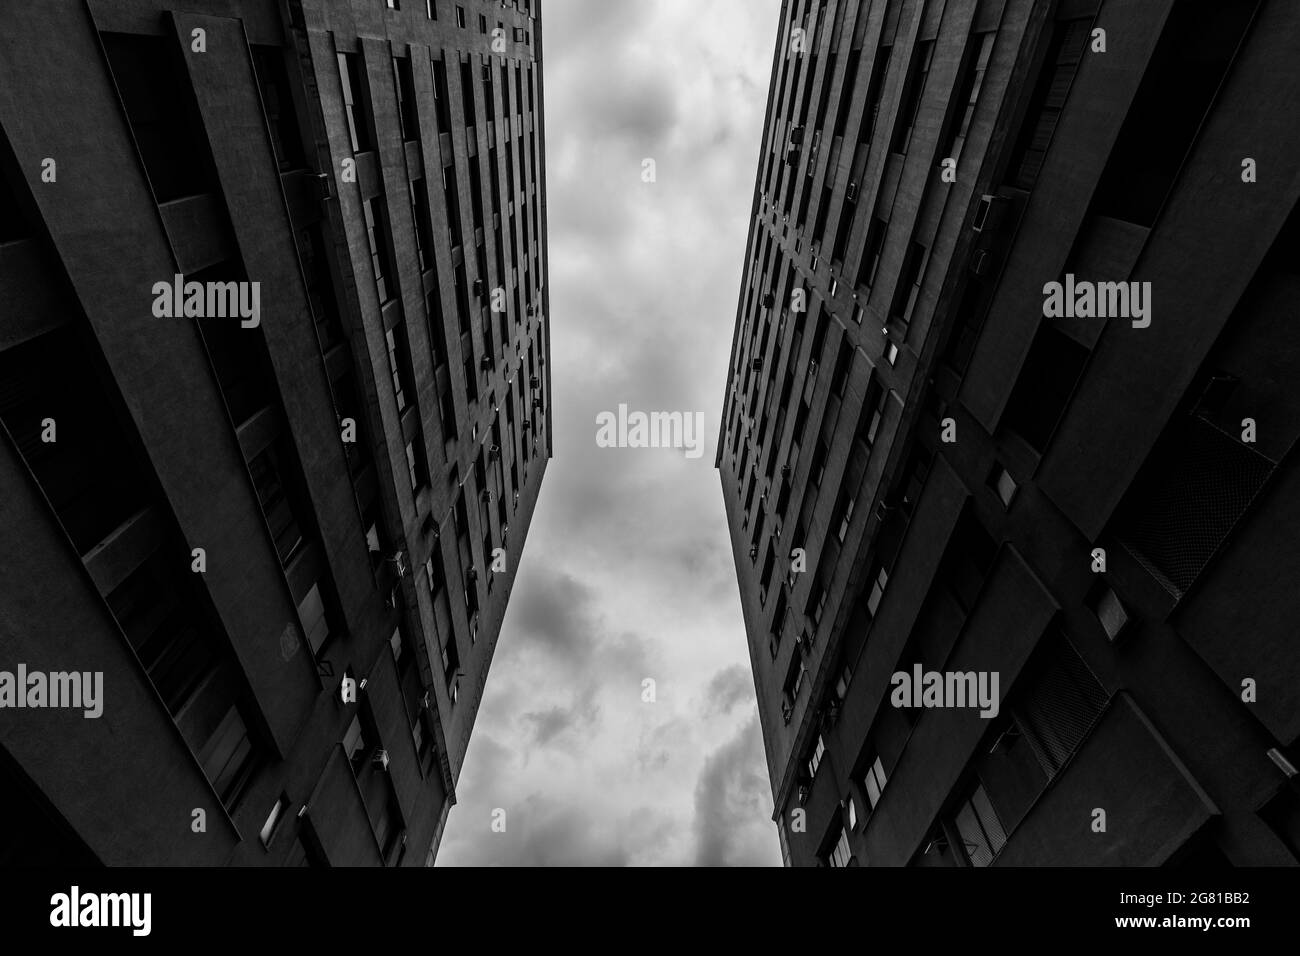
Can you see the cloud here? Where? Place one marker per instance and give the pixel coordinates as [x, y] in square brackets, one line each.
[732, 800]
[728, 689]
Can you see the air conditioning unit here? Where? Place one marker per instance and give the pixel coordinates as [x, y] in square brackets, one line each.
[478, 287]
[785, 471]
[397, 561]
[379, 759]
[796, 135]
[485, 495]
[324, 187]
[757, 363]
[769, 300]
[812, 367]
[486, 362]
[787, 712]
[792, 156]
[472, 575]
[753, 552]
[526, 423]
[851, 193]
[537, 401]
[520, 34]
[494, 452]
[487, 73]
[534, 382]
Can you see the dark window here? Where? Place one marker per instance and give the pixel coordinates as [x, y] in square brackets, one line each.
[1046, 382]
[440, 96]
[909, 282]
[423, 224]
[377, 237]
[86, 473]
[967, 95]
[1184, 74]
[156, 94]
[404, 83]
[281, 503]
[910, 106]
[871, 251]
[277, 101]
[355, 104]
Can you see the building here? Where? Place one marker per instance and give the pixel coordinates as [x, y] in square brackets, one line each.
[279, 519]
[932, 464]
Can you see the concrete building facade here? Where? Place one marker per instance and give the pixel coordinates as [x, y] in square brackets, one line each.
[941, 471]
[284, 534]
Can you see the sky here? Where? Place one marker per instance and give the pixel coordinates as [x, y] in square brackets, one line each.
[627, 574]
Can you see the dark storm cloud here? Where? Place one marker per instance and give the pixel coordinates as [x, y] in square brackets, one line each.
[731, 800]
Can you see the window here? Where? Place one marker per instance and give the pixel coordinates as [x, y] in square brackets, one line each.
[423, 225]
[843, 362]
[416, 465]
[891, 353]
[967, 95]
[815, 758]
[398, 365]
[154, 89]
[910, 106]
[877, 590]
[1046, 382]
[460, 17]
[818, 468]
[873, 411]
[315, 622]
[871, 252]
[430, 9]
[380, 256]
[273, 820]
[404, 83]
[356, 746]
[980, 829]
[841, 853]
[873, 781]
[1110, 611]
[281, 504]
[1000, 480]
[277, 101]
[1196, 46]
[909, 283]
[354, 102]
[842, 517]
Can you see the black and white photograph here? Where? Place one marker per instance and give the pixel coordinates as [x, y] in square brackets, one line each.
[695, 435]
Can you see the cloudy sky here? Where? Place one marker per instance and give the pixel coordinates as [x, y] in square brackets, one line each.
[627, 573]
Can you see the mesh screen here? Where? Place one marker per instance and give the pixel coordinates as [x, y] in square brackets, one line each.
[1205, 481]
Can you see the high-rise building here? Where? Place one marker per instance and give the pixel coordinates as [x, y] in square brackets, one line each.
[1015, 558]
[276, 411]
